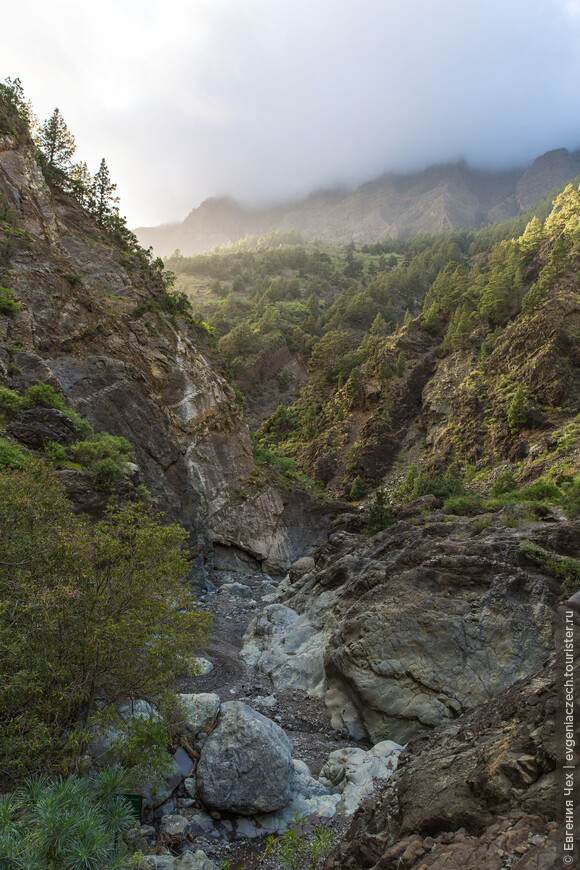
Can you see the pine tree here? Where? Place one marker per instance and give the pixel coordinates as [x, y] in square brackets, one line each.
[517, 415]
[102, 192]
[533, 236]
[82, 184]
[56, 143]
[401, 364]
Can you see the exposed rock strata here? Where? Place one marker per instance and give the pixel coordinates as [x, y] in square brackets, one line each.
[93, 326]
[470, 794]
[415, 626]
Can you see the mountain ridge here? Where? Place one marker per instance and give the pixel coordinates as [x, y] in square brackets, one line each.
[439, 198]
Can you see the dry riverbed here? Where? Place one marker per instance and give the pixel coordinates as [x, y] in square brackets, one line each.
[236, 600]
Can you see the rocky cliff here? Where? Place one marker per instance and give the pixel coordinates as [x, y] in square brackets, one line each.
[95, 322]
[440, 198]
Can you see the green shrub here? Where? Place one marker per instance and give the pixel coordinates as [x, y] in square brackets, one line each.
[517, 414]
[66, 824]
[539, 491]
[55, 452]
[505, 482]
[565, 569]
[11, 455]
[10, 402]
[571, 500]
[102, 446]
[42, 395]
[105, 473]
[468, 504]
[358, 490]
[442, 486]
[8, 304]
[380, 514]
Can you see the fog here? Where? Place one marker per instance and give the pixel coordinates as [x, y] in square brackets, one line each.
[271, 99]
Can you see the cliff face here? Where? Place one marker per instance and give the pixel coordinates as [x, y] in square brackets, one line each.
[439, 199]
[92, 324]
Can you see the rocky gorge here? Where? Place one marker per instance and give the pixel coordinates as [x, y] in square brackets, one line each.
[396, 686]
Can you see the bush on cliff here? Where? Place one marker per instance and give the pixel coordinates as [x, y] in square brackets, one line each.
[88, 613]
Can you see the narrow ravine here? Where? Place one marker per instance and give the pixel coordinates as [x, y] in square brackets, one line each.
[234, 598]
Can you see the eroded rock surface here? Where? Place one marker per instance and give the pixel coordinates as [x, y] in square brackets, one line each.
[470, 794]
[415, 626]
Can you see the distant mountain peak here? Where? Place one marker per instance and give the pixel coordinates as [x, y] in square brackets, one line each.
[438, 198]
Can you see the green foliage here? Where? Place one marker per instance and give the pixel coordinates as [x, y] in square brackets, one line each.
[108, 605]
[358, 489]
[565, 569]
[11, 402]
[11, 454]
[106, 456]
[42, 395]
[55, 452]
[539, 491]
[102, 200]
[517, 415]
[15, 112]
[66, 824]
[571, 500]
[8, 304]
[504, 483]
[56, 143]
[401, 364]
[468, 504]
[295, 851]
[380, 514]
[443, 486]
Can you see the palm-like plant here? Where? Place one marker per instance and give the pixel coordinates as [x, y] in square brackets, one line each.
[66, 824]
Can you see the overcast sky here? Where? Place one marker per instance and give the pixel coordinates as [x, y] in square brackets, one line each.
[271, 99]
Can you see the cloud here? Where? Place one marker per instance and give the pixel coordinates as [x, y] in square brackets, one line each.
[262, 99]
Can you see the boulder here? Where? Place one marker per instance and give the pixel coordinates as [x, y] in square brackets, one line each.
[172, 830]
[201, 710]
[410, 628]
[246, 763]
[288, 647]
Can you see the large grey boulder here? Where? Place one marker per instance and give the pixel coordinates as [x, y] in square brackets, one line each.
[246, 763]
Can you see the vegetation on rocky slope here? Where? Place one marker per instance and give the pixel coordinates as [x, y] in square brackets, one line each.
[462, 348]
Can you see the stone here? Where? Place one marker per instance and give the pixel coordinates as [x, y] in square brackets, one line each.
[237, 590]
[201, 711]
[172, 830]
[202, 666]
[303, 783]
[183, 761]
[455, 783]
[287, 647]
[190, 784]
[195, 861]
[156, 794]
[354, 773]
[303, 566]
[246, 763]
[406, 630]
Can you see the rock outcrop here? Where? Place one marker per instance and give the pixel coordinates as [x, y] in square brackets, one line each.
[474, 793]
[96, 323]
[416, 625]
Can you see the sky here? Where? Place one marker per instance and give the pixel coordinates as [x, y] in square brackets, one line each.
[269, 100]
